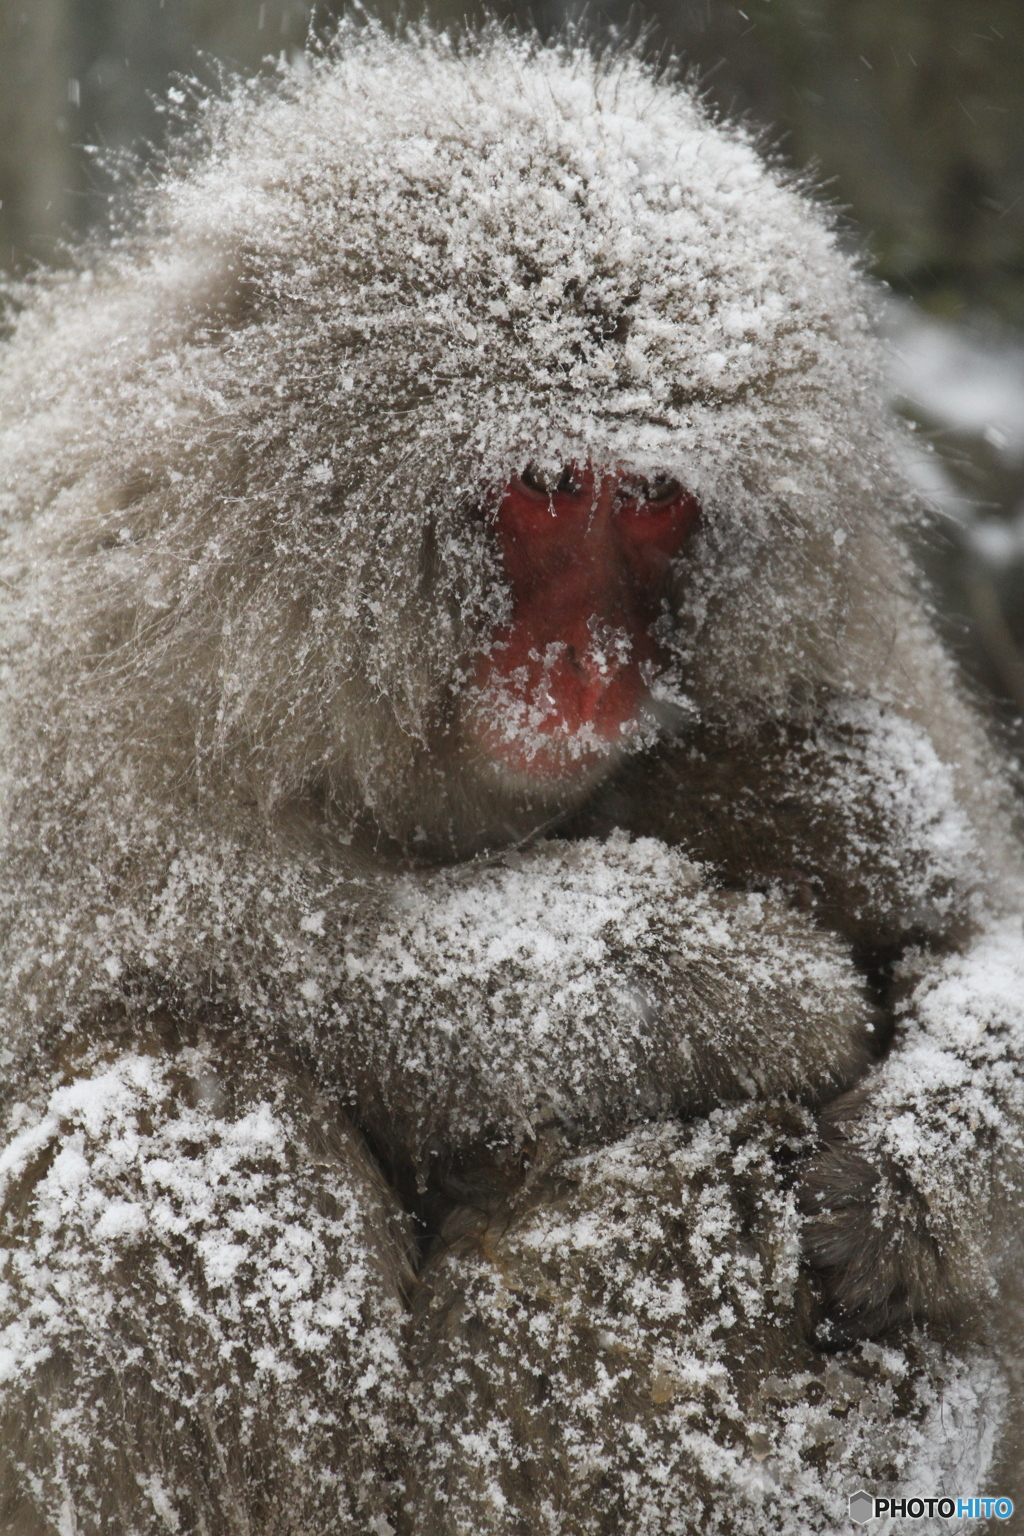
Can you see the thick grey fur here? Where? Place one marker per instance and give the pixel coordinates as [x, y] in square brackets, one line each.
[392, 1145]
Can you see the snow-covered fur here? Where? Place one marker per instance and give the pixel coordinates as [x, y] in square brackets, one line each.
[259, 884]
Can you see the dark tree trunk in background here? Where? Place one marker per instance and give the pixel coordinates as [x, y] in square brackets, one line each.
[38, 165]
[89, 72]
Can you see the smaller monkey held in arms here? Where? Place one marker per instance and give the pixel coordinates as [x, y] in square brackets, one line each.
[512, 989]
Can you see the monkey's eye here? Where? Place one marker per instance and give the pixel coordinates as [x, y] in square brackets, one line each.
[567, 483]
[660, 490]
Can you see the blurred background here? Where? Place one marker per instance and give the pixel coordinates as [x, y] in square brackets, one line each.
[909, 112]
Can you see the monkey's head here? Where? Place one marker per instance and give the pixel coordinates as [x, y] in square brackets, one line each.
[451, 421]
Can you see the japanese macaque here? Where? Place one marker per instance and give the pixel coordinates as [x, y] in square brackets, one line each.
[513, 985]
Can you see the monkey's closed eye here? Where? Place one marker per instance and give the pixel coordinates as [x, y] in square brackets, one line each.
[542, 484]
[662, 488]
[657, 492]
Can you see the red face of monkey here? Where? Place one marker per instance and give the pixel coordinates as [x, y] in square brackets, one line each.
[586, 557]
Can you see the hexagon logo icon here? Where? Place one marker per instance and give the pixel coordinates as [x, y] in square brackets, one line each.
[862, 1507]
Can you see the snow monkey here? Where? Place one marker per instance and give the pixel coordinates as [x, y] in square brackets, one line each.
[512, 996]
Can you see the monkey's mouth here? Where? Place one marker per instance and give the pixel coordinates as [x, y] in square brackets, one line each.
[567, 713]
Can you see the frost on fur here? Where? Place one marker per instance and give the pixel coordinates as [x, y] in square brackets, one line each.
[260, 879]
[679, 1407]
[259, 1244]
[343, 329]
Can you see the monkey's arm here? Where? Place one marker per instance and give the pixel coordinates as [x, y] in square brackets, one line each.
[850, 812]
[910, 1203]
[859, 820]
[583, 985]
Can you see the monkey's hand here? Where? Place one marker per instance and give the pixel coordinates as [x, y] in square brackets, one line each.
[903, 1199]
